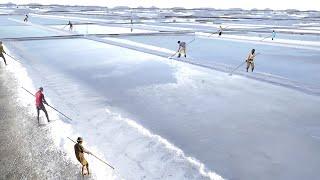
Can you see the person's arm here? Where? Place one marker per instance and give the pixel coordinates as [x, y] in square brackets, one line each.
[83, 150]
[254, 55]
[248, 57]
[3, 51]
[179, 48]
[44, 100]
[86, 151]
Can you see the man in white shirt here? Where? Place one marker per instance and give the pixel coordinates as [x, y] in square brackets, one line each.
[250, 60]
[182, 49]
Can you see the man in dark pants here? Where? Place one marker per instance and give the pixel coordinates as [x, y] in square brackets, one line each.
[39, 104]
[1, 53]
[26, 18]
[250, 60]
[70, 26]
[220, 31]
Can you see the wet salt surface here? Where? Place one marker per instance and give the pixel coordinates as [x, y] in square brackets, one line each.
[242, 129]
[223, 121]
[282, 61]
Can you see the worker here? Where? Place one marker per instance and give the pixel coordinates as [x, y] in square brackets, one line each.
[26, 18]
[250, 60]
[70, 25]
[182, 49]
[39, 103]
[220, 31]
[1, 53]
[79, 152]
[273, 35]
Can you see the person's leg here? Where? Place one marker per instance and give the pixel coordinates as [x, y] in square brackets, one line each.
[38, 113]
[252, 66]
[45, 112]
[82, 171]
[182, 52]
[185, 52]
[87, 166]
[4, 59]
[248, 65]
[5, 62]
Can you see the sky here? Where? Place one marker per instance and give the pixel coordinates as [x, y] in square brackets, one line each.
[219, 4]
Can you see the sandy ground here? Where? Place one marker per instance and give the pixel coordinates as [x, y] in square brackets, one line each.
[26, 150]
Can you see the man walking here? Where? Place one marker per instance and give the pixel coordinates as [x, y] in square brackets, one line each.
[1, 53]
[273, 35]
[26, 18]
[70, 26]
[182, 49]
[79, 152]
[250, 60]
[39, 104]
[220, 31]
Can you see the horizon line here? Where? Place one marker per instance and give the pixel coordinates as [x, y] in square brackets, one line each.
[155, 7]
